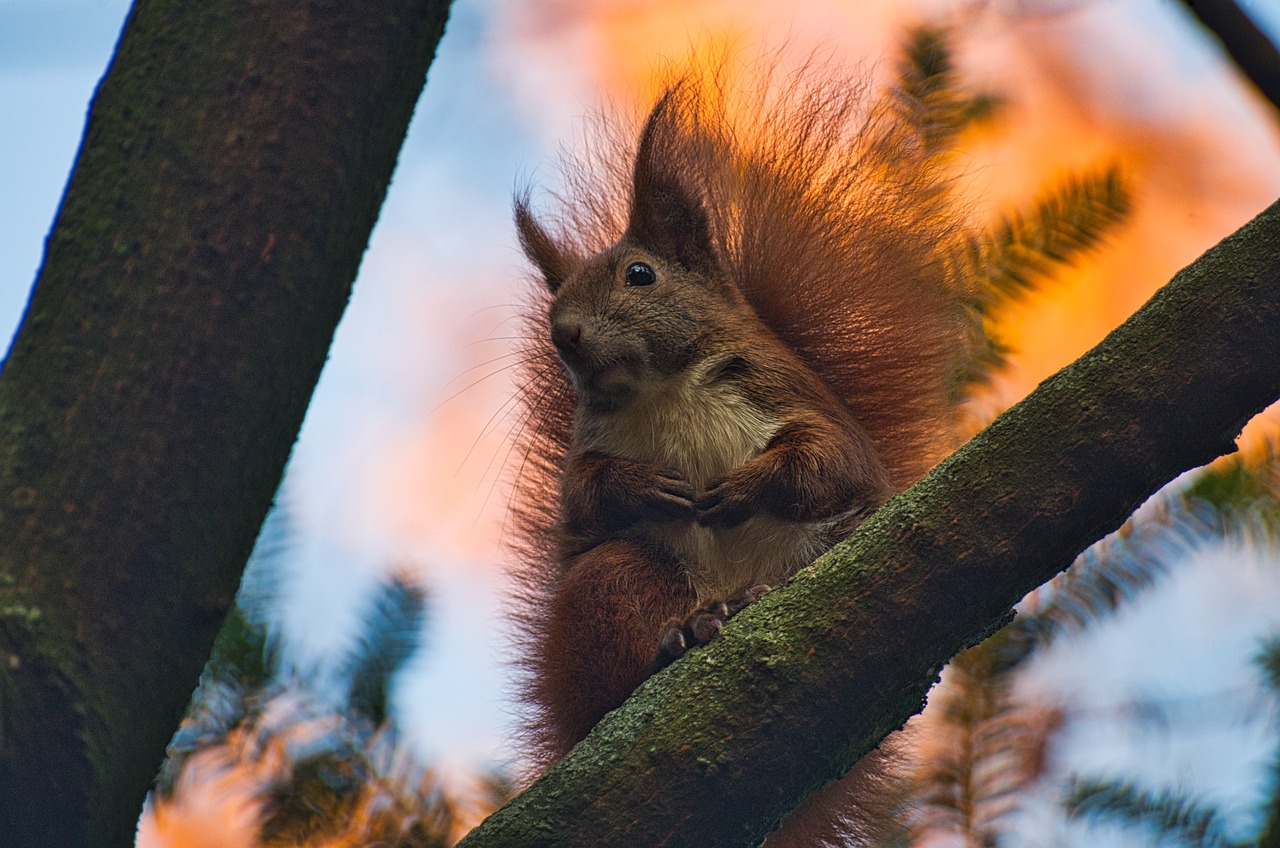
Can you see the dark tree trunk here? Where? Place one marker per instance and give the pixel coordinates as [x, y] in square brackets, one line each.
[235, 158]
[717, 748]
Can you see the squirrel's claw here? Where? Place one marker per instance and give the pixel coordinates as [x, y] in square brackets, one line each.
[702, 625]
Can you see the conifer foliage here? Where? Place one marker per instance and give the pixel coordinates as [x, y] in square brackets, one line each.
[286, 766]
[994, 747]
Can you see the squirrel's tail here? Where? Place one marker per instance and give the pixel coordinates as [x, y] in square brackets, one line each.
[831, 209]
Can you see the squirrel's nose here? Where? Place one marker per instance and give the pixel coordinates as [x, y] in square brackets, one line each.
[566, 335]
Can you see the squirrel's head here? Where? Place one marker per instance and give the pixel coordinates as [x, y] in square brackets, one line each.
[650, 306]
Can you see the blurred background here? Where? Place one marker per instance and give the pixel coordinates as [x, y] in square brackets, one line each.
[399, 467]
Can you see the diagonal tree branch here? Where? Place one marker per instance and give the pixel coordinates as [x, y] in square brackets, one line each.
[234, 162]
[1245, 42]
[717, 748]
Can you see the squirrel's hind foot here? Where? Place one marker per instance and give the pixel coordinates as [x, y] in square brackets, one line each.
[702, 625]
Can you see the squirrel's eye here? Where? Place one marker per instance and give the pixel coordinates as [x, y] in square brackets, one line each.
[640, 274]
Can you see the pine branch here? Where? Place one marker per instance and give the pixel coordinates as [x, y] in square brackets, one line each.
[341, 784]
[1269, 660]
[991, 748]
[1108, 574]
[927, 95]
[244, 651]
[1168, 813]
[389, 634]
[324, 776]
[1221, 500]
[1070, 219]
[319, 778]
[1245, 485]
[983, 749]
[912, 130]
[1003, 264]
[929, 110]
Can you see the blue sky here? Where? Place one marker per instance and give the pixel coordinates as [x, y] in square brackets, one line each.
[52, 54]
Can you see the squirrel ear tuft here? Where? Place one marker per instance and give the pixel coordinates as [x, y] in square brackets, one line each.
[666, 217]
[543, 251]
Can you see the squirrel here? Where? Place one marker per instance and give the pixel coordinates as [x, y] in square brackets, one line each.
[757, 345]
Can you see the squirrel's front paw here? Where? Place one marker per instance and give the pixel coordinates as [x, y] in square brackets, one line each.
[701, 626]
[672, 496]
[724, 503]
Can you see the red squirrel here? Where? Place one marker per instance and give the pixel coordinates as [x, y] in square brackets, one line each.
[757, 346]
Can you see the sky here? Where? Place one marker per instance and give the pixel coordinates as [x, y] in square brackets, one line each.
[399, 460]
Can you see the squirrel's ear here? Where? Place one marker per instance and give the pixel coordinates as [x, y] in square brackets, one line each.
[543, 251]
[665, 217]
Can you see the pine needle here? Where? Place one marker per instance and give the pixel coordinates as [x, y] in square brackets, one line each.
[1169, 812]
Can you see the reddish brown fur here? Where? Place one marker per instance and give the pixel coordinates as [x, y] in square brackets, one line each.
[807, 224]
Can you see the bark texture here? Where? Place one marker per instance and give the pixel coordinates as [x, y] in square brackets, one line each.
[717, 748]
[234, 161]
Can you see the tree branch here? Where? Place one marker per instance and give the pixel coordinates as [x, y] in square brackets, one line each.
[234, 161]
[717, 748]
[1246, 44]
